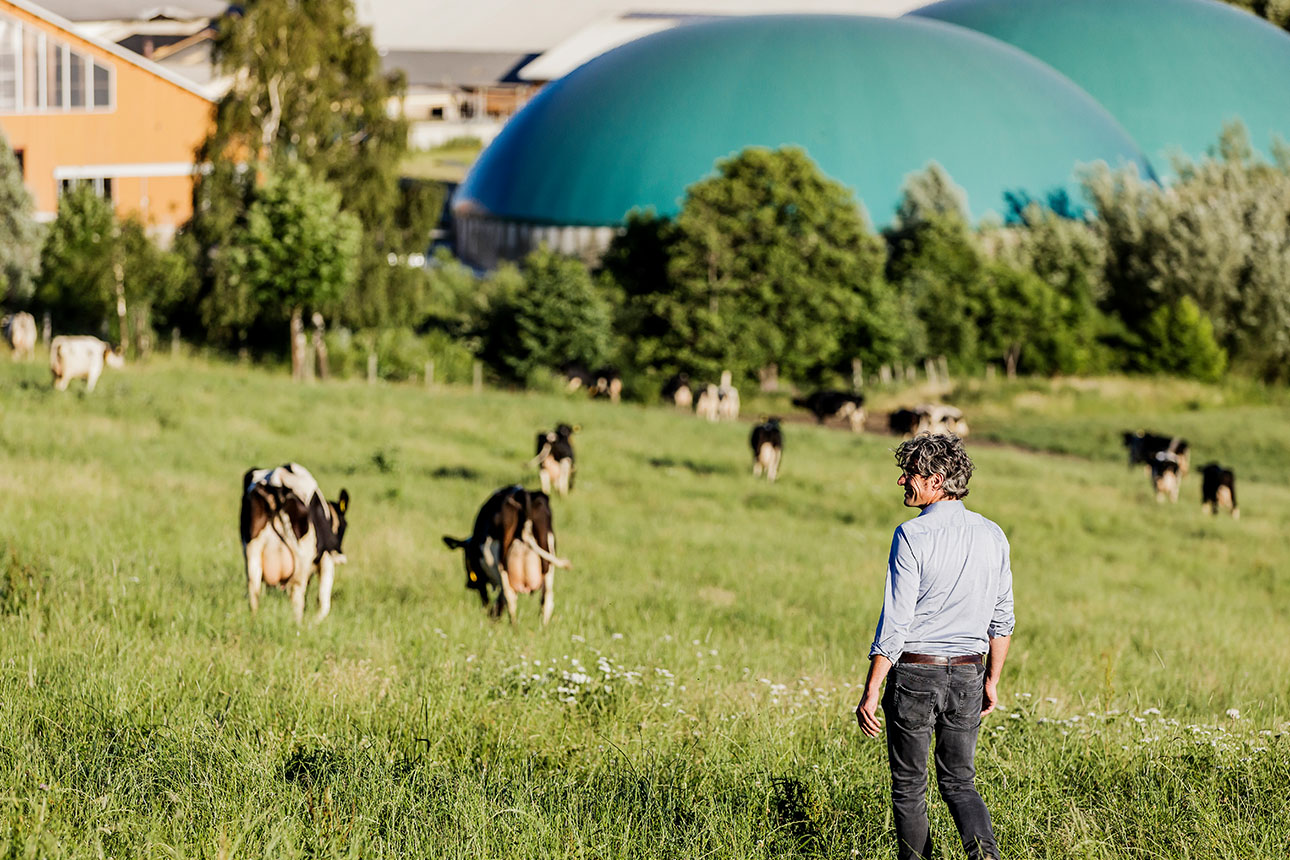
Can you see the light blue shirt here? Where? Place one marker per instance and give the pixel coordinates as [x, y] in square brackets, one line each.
[949, 585]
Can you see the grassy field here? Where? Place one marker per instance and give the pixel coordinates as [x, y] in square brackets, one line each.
[694, 694]
[448, 163]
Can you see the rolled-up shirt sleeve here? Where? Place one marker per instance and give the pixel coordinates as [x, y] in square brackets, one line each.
[1003, 621]
[899, 599]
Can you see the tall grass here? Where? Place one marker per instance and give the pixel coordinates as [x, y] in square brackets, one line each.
[693, 695]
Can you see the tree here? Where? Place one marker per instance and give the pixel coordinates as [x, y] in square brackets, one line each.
[552, 316]
[296, 253]
[20, 235]
[78, 283]
[308, 86]
[772, 264]
[1180, 340]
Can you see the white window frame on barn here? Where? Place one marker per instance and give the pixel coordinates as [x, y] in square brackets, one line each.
[39, 74]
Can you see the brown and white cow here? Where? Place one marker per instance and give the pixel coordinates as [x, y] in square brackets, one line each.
[554, 459]
[80, 357]
[289, 531]
[677, 391]
[20, 331]
[512, 549]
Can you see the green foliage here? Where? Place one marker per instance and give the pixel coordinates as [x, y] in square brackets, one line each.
[295, 253]
[1220, 236]
[554, 315]
[20, 235]
[1179, 339]
[308, 86]
[770, 263]
[77, 284]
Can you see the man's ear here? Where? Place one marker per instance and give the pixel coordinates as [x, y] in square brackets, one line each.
[936, 481]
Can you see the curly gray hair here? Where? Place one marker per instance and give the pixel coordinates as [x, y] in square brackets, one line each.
[926, 454]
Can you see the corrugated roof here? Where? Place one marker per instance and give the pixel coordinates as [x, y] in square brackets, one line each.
[134, 10]
[456, 68]
[529, 26]
[115, 50]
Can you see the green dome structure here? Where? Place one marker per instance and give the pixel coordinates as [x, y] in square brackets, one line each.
[871, 100]
[1172, 72]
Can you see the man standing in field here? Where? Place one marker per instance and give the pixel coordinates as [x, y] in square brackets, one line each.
[948, 600]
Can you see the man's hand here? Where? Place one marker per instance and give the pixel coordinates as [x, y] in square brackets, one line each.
[989, 696]
[867, 712]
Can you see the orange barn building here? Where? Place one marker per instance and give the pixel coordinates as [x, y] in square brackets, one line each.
[76, 109]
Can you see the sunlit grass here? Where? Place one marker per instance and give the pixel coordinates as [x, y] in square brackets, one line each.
[694, 692]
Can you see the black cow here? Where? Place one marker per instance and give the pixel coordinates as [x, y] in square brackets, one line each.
[512, 548]
[1143, 446]
[767, 449]
[835, 404]
[554, 459]
[904, 422]
[1218, 489]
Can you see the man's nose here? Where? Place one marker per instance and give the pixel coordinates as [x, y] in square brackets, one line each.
[901, 480]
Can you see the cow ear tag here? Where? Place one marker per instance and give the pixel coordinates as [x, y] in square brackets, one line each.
[343, 502]
[472, 577]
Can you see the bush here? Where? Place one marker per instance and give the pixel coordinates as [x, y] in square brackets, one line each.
[401, 355]
[1179, 339]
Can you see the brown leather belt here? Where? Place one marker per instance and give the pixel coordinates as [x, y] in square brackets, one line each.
[961, 660]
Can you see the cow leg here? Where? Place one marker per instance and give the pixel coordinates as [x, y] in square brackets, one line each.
[92, 379]
[60, 382]
[253, 552]
[548, 594]
[772, 471]
[545, 478]
[297, 590]
[566, 473]
[326, 575]
[509, 596]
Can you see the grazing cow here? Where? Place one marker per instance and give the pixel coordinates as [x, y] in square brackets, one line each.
[1165, 476]
[938, 418]
[80, 357]
[554, 459]
[512, 548]
[20, 331]
[709, 403]
[607, 383]
[934, 418]
[289, 531]
[1218, 489]
[835, 404]
[903, 422]
[678, 391]
[576, 376]
[768, 448]
[1143, 446]
[727, 398]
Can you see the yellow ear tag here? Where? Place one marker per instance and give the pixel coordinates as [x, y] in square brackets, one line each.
[472, 577]
[344, 503]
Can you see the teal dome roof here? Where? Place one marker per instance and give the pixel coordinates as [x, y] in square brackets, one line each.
[1171, 71]
[871, 100]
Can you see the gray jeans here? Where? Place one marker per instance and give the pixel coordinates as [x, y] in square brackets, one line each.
[919, 700]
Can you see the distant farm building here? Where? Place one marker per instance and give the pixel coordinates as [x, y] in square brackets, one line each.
[871, 100]
[76, 109]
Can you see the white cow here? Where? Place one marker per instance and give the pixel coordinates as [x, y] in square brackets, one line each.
[80, 357]
[20, 331]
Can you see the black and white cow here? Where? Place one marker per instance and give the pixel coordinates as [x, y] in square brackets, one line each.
[1143, 446]
[767, 442]
[289, 531]
[1218, 489]
[1165, 476]
[512, 549]
[678, 391]
[835, 404]
[554, 459]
